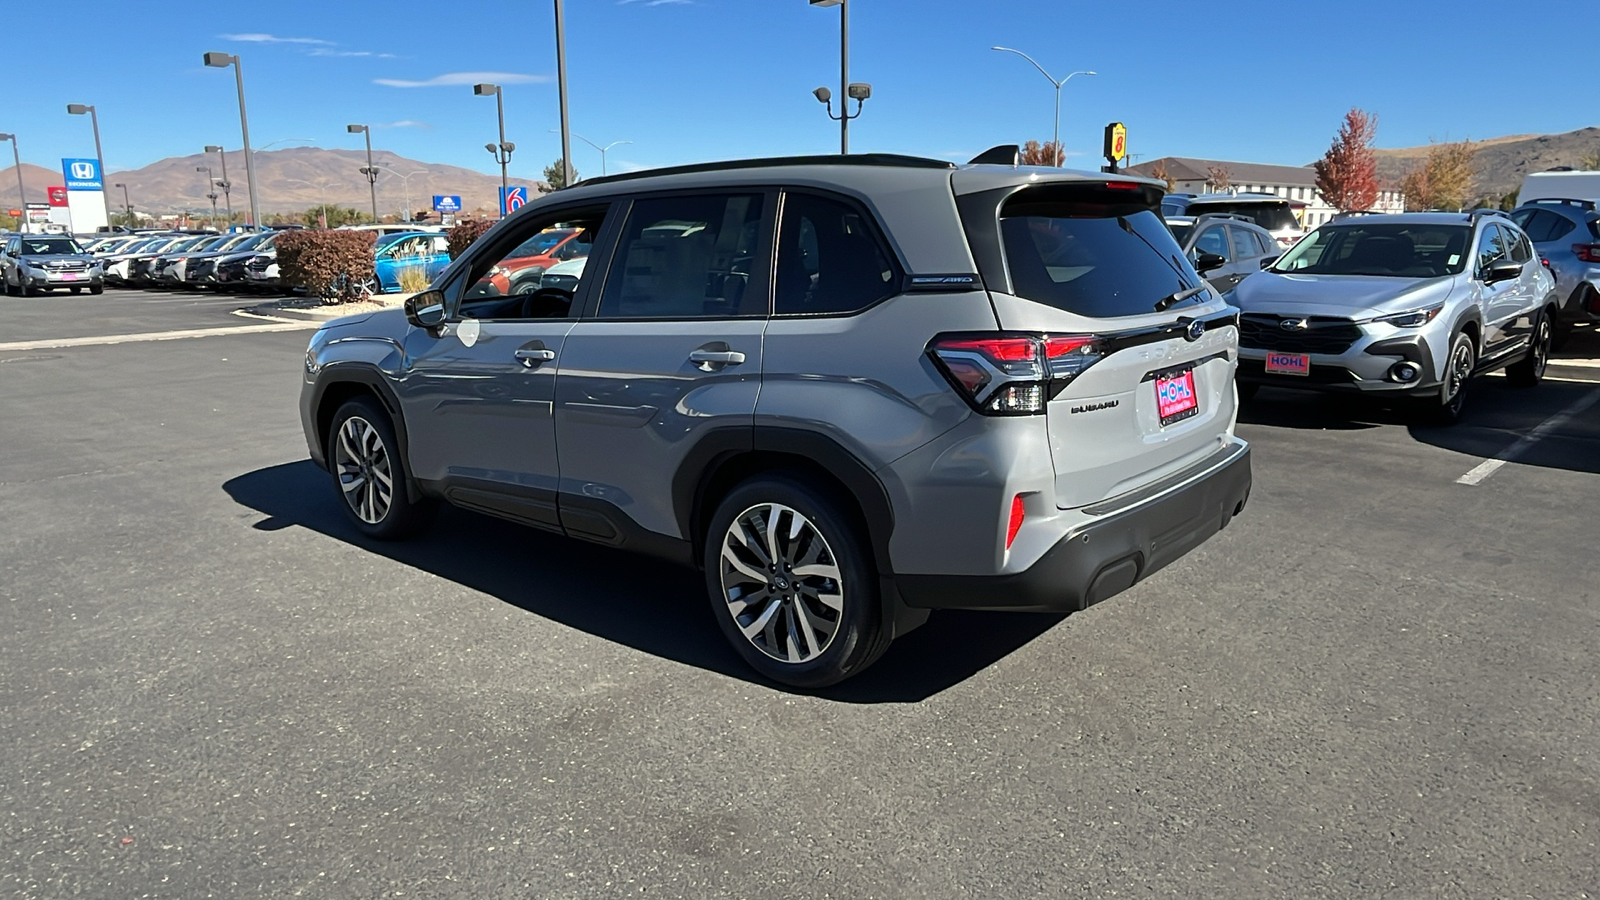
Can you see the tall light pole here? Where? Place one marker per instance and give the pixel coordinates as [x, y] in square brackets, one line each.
[22, 198]
[501, 151]
[856, 92]
[597, 147]
[1056, 138]
[126, 203]
[218, 60]
[369, 170]
[405, 182]
[211, 192]
[561, 88]
[225, 184]
[78, 109]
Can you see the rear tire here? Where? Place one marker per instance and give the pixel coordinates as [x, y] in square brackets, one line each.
[369, 474]
[1529, 371]
[792, 583]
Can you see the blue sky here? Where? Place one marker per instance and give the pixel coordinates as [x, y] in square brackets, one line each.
[689, 80]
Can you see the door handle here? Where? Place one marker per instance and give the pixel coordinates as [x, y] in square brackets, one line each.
[532, 357]
[709, 360]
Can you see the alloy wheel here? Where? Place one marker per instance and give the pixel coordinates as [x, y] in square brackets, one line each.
[1543, 337]
[365, 475]
[782, 583]
[1460, 371]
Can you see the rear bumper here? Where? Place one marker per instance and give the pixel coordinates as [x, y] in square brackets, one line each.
[1109, 554]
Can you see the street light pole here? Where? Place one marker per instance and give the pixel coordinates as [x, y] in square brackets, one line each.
[126, 203]
[597, 147]
[370, 171]
[225, 184]
[1056, 137]
[211, 192]
[22, 198]
[218, 60]
[561, 85]
[501, 151]
[405, 185]
[78, 109]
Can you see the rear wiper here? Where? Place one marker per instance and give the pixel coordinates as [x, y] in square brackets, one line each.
[1171, 300]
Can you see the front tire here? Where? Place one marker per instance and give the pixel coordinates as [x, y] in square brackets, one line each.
[1529, 371]
[1445, 409]
[369, 473]
[792, 584]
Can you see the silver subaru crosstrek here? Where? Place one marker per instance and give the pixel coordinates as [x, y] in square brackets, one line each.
[849, 389]
[1409, 305]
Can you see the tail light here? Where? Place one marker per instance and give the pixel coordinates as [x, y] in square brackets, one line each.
[1587, 252]
[1010, 374]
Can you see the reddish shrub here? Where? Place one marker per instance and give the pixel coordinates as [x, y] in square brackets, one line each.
[462, 236]
[333, 265]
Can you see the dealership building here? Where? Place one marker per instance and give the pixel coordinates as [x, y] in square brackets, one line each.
[1297, 184]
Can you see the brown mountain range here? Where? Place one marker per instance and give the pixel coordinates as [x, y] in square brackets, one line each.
[290, 180]
[1501, 163]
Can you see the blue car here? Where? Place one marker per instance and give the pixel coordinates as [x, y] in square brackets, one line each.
[424, 252]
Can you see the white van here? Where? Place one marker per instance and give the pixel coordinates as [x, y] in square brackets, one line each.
[1560, 184]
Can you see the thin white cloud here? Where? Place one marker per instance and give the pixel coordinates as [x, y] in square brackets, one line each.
[406, 123]
[327, 51]
[453, 79]
[260, 38]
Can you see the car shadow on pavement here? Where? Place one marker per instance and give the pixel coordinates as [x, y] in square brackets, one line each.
[1496, 417]
[643, 603]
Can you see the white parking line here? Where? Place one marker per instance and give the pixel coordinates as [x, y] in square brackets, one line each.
[103, 340]
[1490, 466]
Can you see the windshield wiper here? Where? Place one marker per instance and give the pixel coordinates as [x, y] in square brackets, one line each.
[1171, 300]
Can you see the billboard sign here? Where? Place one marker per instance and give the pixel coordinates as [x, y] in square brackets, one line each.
[512, 199]
[82, 174]
[446, 203]
[57, 195]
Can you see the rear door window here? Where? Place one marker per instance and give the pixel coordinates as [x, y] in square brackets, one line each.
[1246, 243]
[1090, 252]
[829, 259]
[687, 257]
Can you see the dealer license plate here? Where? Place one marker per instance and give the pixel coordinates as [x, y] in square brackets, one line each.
[69, 276]
[1175, 397]
[1288, 364]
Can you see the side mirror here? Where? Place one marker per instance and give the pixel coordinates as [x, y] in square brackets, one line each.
[1267, 261]
[425, 310]
[1205, 262]
[1502, 270]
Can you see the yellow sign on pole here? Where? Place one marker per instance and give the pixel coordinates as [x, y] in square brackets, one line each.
[1116, 142]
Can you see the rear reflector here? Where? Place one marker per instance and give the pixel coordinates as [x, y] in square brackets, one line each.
[1017, 513]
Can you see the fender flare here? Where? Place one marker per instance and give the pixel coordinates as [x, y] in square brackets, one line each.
[367, 375]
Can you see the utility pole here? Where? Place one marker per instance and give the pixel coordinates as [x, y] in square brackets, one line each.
[561, 84]
[225, 184]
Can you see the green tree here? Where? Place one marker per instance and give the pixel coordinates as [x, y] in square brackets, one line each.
[555, 177]
[330, 215]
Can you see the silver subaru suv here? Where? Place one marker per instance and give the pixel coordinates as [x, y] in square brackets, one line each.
[1406, 306]
[849, 389]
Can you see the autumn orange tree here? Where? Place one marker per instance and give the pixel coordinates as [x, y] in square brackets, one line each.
[1219, 177]
[1048, 153]
[1347, 175]
[1443, 180]
[1159, 170]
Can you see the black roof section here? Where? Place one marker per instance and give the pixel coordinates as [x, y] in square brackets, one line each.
[855, 159]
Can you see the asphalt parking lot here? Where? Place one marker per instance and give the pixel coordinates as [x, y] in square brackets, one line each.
[1379, 681]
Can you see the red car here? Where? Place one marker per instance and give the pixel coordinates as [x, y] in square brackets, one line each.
[519, 272]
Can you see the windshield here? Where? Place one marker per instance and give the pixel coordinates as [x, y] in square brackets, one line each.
[1080, 252]
[1394, 250]
[1273, 215]
[47, 245]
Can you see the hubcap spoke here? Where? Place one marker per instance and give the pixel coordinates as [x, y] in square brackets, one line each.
[782, 583]
[365, 475]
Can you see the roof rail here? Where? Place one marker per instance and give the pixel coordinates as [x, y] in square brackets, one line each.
[1234, 216]
[855, 159]
[1479, 213]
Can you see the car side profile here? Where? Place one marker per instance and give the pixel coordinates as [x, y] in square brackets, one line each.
[1224, 248]
[425, 253]
[850, 390]
[1406, 306]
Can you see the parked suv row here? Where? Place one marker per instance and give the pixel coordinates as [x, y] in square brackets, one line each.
[850, 389]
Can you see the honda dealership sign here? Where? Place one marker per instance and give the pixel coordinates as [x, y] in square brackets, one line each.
[86, 199]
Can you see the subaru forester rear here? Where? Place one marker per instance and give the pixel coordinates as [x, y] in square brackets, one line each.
[851, 390]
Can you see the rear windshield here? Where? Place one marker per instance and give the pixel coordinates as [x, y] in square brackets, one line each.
[1401, 251]
[1271, 215]
[1092, 258]
[1180, 230]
